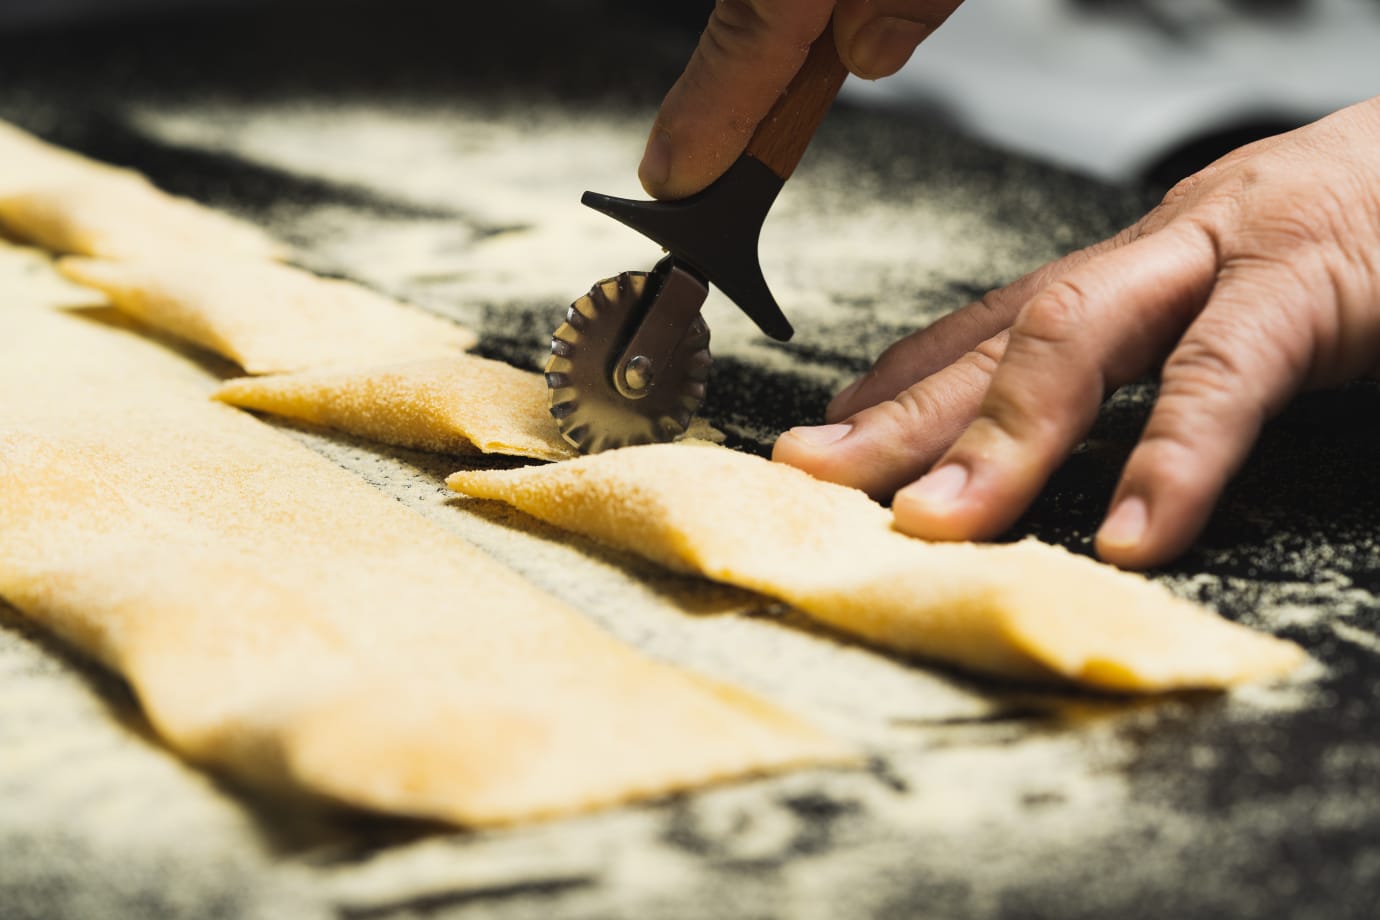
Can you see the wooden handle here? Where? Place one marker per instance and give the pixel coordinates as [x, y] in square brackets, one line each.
[781, 139]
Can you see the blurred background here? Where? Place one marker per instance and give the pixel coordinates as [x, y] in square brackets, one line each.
[1127, 91]
[1138, 90]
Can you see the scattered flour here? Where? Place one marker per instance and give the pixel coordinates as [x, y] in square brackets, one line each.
[978, 790]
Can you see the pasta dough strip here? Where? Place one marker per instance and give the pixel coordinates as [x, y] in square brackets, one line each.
[267, 317]
[454, 405]
[1026, 611]
[69, 203]
[281, 620]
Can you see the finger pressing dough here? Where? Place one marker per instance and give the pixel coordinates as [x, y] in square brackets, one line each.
[1027, 611]
[281, 620]
[68, 203]
[269, 318]
[448, 405]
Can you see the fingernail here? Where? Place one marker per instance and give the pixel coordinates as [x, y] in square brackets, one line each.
[1127, 523]
[885, 44]
[655, 170]
[939, 488]
[821, 435]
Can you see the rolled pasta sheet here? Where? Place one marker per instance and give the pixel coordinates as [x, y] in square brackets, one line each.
[270, 318]
[280, 620]
[69, 203]
[1027, 611]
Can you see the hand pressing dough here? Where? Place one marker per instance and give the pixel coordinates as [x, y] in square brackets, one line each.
[68, 203]
[449, 405]
[269, 318]
[1025, 611]
[282, 621]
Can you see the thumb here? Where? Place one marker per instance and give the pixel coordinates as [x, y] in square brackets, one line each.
[877, 37]
[749, 53]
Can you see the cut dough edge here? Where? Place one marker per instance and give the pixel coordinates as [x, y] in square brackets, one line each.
[364, 665]
[452, 405]
[1027, 611]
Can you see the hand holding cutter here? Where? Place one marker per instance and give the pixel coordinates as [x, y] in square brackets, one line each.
[631, 363]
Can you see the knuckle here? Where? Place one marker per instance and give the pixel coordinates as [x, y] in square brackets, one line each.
[1152, 221]
[1182, 196]
[995, 303]
[1201, 369]
[916, 408]
[985, 357]
[746, 23]
[1207, 406]
[736, 20]
[1243, 360]
[1056, 315]
[966, 382]
[1217, 184]
[1165, 462]
[1181, 192]
[1193, 442]
[1020, 417]
[920, 423]
[727, 39]
[736, 32]
[1219, 192]
[1275, 308]
[936, 403]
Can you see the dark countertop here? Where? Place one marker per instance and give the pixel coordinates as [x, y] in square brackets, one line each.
[983, 799]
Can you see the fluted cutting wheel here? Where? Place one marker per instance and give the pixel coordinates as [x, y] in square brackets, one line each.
[589, 410]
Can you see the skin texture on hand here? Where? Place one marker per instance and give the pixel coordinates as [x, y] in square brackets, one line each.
[747, 56]
[1252, 280]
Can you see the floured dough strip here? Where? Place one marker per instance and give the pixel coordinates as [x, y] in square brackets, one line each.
[447, 405]
[281, 620]
[69, 203]
[269, 318]
[450, 405]
[1027, 611]
[26, 161]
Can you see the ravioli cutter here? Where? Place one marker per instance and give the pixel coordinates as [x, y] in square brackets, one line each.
[630, 365]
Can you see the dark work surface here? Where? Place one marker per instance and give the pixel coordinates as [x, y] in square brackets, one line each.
[1226, 808]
